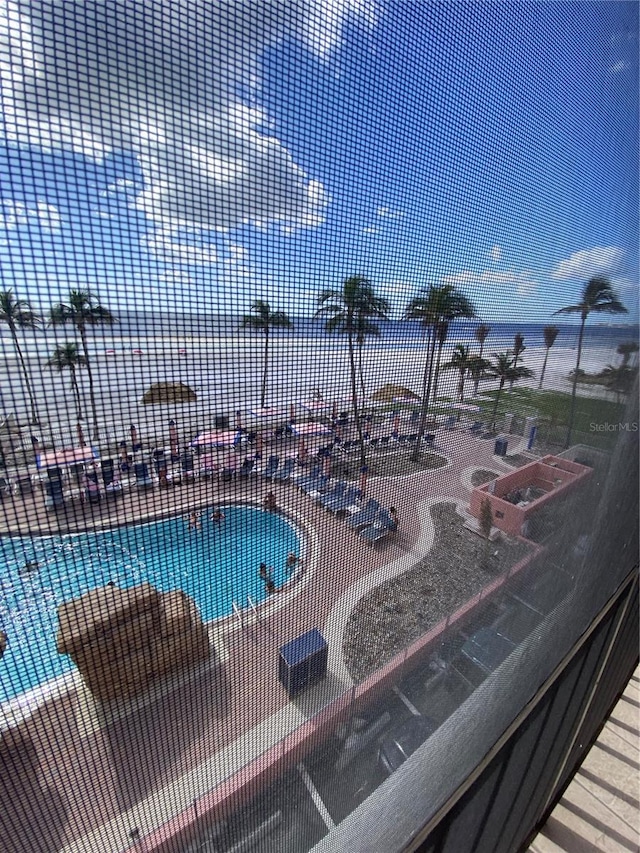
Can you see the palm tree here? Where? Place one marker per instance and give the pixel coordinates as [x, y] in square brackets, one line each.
[68, 357]
[264, 319]
[505, 369]
[83, 309]
[518, 348]
[460, 361]
[17, 314]
[435, 309]
[365, 327]
[600, 298]
[481, 334]
[349, 310]
[626, 350]
[550, 333]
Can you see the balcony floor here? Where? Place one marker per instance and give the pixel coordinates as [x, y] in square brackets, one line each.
[600, 810]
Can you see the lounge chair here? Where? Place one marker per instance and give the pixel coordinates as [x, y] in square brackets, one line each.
[341, 504]
[384, 441]
[285, 471]
[337, 491]
[271, 467]
[381, 527]
[319, 488]
[246, 468]
[429, 439]
[373, 444]
[303, 478]
[5, 487]
[476, 427]
[143, 478]
[366, 515]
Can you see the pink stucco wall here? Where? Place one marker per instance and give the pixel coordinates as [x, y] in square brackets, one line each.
[554, 475]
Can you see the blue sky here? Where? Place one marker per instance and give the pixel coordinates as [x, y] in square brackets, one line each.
[234, 155]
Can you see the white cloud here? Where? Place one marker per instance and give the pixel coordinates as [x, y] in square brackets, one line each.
[15, 214]
[496, 253]
[522, 282]
[385, 212]
[81, 77]
[601, 260]
[165, 246]
[619, 66]
[370, 229]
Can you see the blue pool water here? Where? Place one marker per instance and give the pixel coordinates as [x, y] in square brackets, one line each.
[216, 565]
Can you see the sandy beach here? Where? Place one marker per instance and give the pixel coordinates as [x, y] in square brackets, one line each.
[225, 372]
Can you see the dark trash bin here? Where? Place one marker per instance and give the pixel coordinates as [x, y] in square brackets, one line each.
[303, 661]
[221, 422]
[500, 448]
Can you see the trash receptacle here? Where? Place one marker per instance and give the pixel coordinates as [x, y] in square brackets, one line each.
[303, 661]
[500, 448]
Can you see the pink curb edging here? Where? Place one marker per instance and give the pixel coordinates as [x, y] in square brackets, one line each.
[239, 788]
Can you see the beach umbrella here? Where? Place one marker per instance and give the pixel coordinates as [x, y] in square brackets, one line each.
[292, 413]
[81, 441]
[396, 425]
[219, 438]
[168, 393]
[390, 392]
[303, 453]
[238, 419]
[133, 431]
[173, 438]
[69, 456]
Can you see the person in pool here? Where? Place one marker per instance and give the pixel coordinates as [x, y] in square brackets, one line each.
[217, 515]
[194, 521]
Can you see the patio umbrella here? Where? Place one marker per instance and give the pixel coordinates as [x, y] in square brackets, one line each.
[303, 453]
[68, 456]
[219, 438]
[390, 392]
[238, 419]
[168, 392]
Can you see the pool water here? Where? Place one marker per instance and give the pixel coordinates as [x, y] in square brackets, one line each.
[216, 565]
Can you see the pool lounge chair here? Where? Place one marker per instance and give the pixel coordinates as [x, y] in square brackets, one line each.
[320, 488]
[284, 472]
[143, 478]
[381, 527]
[476, 428]
[271, 467]
[366, 515]
[336, 491]
[305, 477]
[341, 504]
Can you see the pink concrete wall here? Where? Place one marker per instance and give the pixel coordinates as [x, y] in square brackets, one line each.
[551, 473]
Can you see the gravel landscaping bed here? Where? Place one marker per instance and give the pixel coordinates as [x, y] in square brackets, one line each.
[481, 476]
[518, 460]
[401, 610]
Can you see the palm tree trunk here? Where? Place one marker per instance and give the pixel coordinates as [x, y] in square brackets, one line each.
[25, 372]
[360, 348]
[572, 410]
[437, 373]
[477, 382]
[544, 367]
[461, 386]
[95, 432]
[265, 369]
[354, 398]
[495, 405]
[426, 393]
[76, 393]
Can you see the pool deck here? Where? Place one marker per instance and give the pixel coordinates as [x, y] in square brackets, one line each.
[79, 779]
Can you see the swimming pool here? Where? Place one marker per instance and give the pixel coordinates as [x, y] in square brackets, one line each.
[216, 565]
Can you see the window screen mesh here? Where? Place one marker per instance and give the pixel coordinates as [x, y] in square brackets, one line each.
[319, 332]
